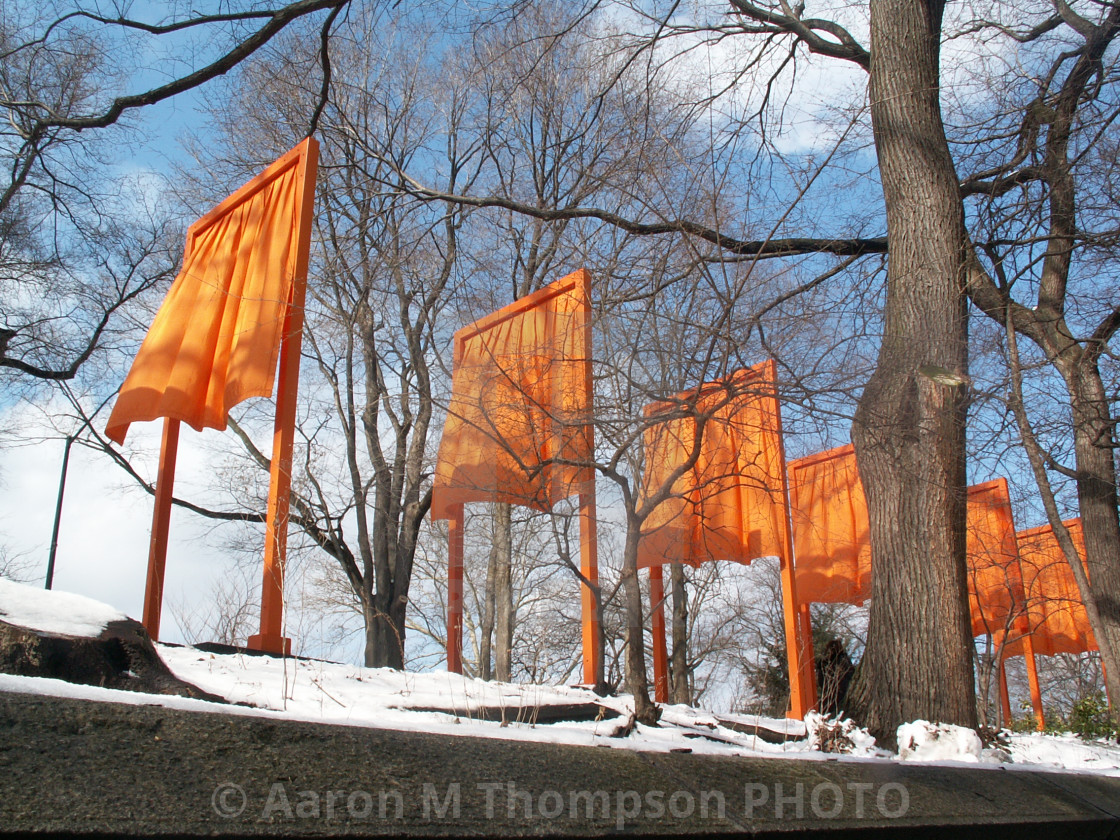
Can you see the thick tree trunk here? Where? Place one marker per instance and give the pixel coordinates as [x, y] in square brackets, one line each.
[636, 682]
[678, 665]
[909, 426]
[385, 633]
[501, 553]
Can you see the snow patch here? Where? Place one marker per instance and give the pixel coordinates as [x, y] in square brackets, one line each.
[925, 741]
[1065, 752]
[54, 612]
[840, 735]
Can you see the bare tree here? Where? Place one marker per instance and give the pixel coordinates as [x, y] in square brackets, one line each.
[17, 566]
[228, 615]
[72, 80]
[910, 427]
[1046, 228]
[381, 266]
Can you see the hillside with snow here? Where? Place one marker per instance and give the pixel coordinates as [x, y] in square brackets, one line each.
[440, 702]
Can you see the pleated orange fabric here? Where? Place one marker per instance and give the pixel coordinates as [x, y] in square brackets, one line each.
[518, 425]
[216, 338]
[730, 505]
[1058, 618]
[995, 583]
[830, 529]
[832, 545]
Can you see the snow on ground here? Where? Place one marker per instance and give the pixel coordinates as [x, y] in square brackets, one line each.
[925, 741]
[54, 612]
[439, 702]
[1066, 752]
[324, 692]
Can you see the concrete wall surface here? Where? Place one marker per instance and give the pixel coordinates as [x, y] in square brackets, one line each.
[76, 767]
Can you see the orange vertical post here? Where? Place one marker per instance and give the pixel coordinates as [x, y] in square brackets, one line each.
[271, 637]
[1023, 627]
[588, 525]
[1032, 681]
[800, 699]
[802, 696]
[1004, 695]
[455, 591]
[589, 568]
[657, 620]
[161, 522]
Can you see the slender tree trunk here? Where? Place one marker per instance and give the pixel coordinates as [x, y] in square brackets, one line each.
[1097, 499]
[370, 653]
[986, 669]
[678, 665]
[1099, 578]
[1076, 360]
[386, 626]
[909, 426]
[636, 682]
[486, 623]
[501, 553]
[601, 684]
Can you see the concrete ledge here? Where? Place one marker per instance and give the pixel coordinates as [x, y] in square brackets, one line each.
[75, 767]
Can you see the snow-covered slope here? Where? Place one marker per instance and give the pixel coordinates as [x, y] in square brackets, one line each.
[440, 702]
[381, 697]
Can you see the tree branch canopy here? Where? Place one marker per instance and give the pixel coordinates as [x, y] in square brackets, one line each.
[807, 30]
[42, 125]
[758, 248]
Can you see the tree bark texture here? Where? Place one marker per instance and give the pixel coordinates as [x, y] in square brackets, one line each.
[678, 664]
[486, 622]
[909, 428]
[637, 684]
[501, 553]
[385, 635]
[1097, 498]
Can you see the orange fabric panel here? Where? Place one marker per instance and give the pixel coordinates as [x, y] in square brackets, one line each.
[216, 337]
[1058, 619]
[520, 401]
[995, 585]
[731, 504]
[831, 543]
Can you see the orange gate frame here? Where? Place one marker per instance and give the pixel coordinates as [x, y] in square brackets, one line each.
[451, 508]
[696, 548]
[271, 637]
[203, 408]
[997, 596]
[1062, 625]
[1059, 623]
[837, 554]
